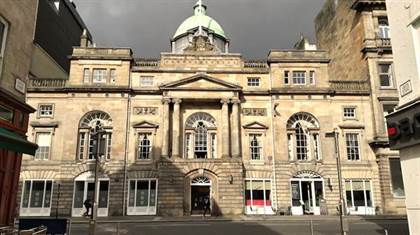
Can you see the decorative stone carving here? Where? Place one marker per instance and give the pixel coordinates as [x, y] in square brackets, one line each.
[145, 110]
[254, 112]
[200, 44]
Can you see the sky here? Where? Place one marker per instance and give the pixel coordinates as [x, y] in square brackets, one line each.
[253, 26]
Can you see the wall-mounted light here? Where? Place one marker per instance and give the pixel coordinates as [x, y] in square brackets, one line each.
[329, 182]
[231, 179]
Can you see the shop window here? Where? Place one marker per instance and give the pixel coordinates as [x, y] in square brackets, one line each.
[142, 197]
[396, 177]
[36, 198]
[258, 196]
[359, 197]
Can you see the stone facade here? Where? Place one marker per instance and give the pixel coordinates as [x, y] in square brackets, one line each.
[16, 34]
[356, 36]
[249, 136]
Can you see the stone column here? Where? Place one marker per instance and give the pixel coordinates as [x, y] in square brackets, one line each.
[175, 128]
[225, 128]
[165, 127]
[235, 136]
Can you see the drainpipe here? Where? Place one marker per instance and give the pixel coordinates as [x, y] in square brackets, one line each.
[274, 184]
[126, 142]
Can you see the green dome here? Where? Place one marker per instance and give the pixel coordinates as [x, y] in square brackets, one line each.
[199, 19]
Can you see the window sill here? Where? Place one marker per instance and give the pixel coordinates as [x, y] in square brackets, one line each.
[144, 161]
[257, 162]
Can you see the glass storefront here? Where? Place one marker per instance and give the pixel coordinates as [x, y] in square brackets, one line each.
[258, 196]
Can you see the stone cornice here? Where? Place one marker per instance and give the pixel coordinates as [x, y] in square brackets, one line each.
[368, 5]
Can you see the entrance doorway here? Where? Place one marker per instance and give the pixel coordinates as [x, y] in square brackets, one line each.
[84, 188]
[306, 196]
[200, 193]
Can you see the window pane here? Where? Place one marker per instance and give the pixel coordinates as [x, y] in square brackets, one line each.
[132, 192]
[78, 194]
[43, 140]
[359, 198]
[142, 193]
[396, 177]
[48, 188]
[103, 194]
[295, 193]
[348, 198]
[99, 75]
[26, 191]
[301, 144]
[153, 193]
[299, 77]
[37, 194]
[384, 79]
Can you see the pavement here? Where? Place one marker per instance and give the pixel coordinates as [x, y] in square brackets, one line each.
[243, 218]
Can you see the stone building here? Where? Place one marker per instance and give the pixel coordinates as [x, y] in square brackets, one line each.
[356, 35]
[16, 34]
[201, 122]
[405, 23]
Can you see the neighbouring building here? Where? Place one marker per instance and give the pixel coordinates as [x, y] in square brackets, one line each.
[201, 122]
[58, 28]
[356, 35]
[404, 123]
[16, 34]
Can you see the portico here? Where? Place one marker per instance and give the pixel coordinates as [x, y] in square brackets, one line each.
[201, 94]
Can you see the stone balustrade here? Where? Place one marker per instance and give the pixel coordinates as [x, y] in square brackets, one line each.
[349, 85]
[47, 83]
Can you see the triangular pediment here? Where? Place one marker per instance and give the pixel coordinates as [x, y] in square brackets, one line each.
[255, 125]
[145, 125]
[200, 82]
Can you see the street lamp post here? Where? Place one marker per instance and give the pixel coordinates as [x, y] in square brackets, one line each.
[334, 134]
[97, 135]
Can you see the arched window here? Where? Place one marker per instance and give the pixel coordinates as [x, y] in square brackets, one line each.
[87, 138]
[303, 137]
[200, 136]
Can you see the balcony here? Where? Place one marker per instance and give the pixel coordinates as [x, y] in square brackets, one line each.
[383, 42]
